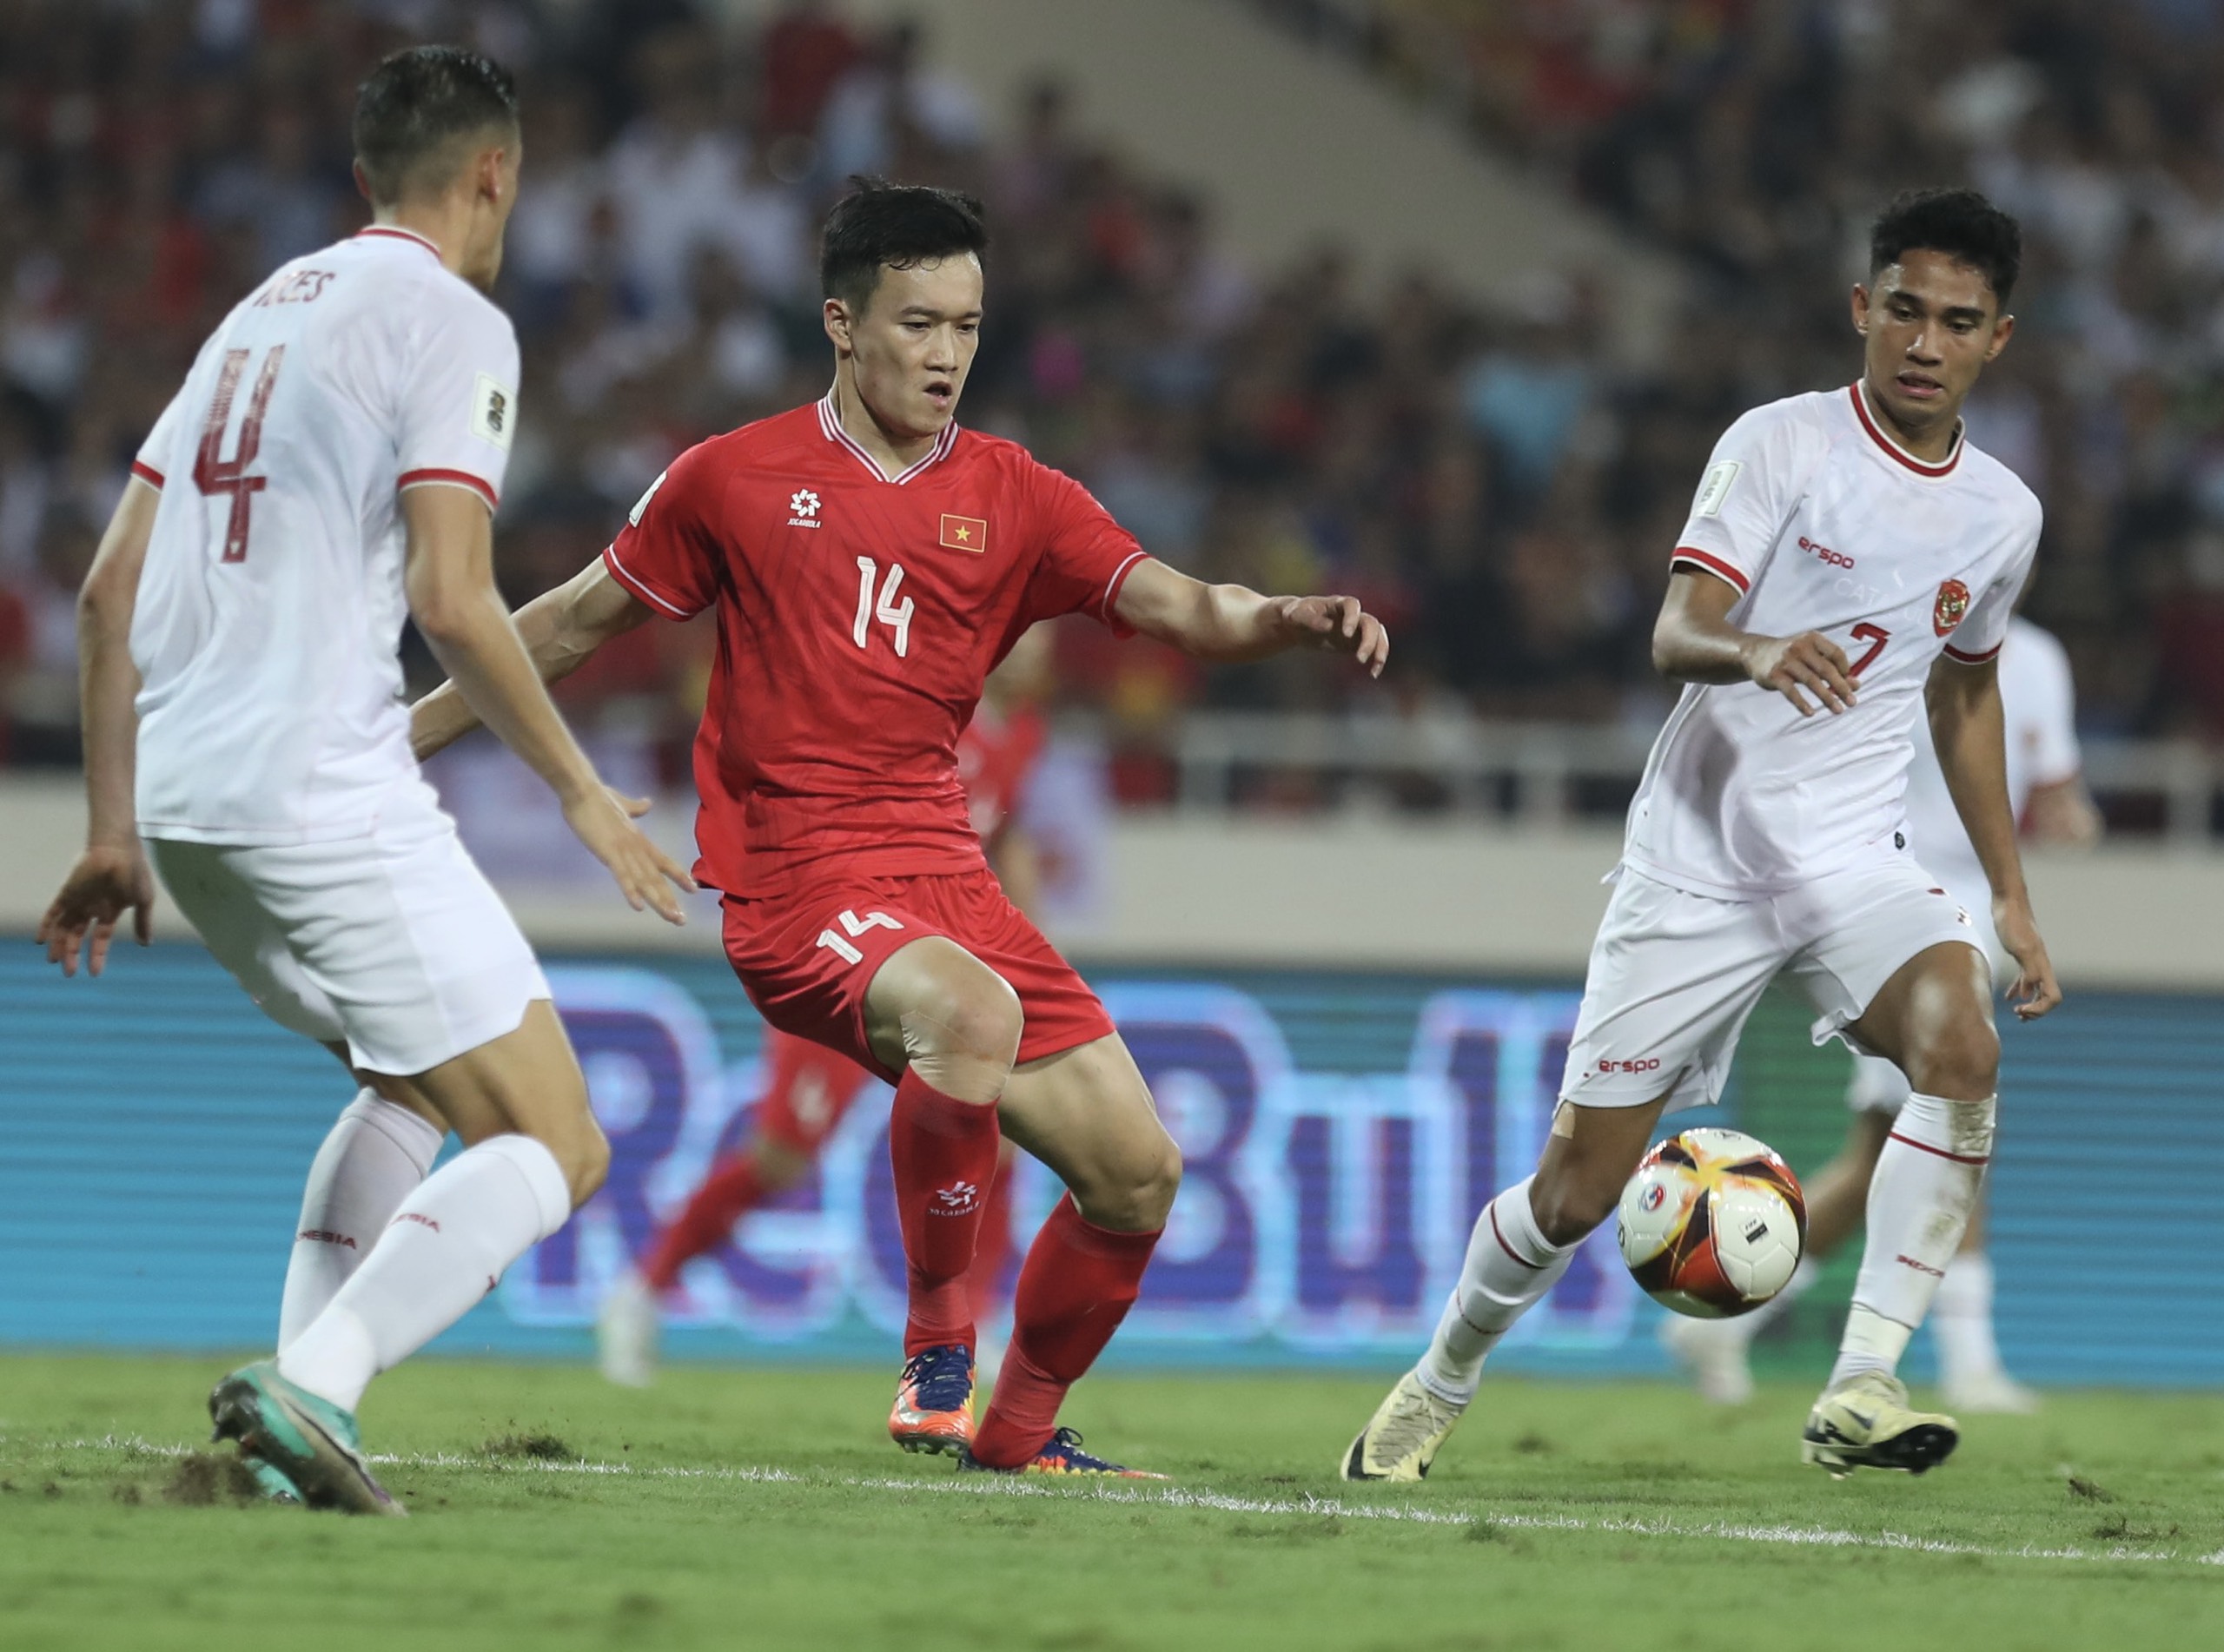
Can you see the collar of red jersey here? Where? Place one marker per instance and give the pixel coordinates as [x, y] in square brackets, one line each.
[1892, 449]
[395, 232]
[830, 423]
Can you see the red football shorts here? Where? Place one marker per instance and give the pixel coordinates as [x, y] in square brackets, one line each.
[806, 958]
[807, 1090]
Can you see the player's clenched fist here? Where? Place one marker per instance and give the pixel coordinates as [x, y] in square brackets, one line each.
[1810, 661]
[1341, 625]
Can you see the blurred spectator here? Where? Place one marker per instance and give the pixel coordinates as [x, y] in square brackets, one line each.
[1491, 482]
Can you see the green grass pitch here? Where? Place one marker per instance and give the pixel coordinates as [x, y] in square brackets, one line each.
[747, 1507]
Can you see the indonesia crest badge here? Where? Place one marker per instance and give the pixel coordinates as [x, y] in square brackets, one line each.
[1953, 603]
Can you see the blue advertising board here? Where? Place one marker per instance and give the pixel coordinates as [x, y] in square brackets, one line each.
[1339, 1131]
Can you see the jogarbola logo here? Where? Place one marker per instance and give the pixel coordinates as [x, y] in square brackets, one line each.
[1953, 603]
[803, 507]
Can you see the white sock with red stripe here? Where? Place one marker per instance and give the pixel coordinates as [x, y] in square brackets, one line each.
[446, 1247]
[376, 1156]
[1510, 1265]
[1925, 1187]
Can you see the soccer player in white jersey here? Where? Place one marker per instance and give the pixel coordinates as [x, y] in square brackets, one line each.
[2046, 789]
[1849, 560]
[329, 468]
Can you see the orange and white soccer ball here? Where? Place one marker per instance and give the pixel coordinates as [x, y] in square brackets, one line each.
[1712, 1223]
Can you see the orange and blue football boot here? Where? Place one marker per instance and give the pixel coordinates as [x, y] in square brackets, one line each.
[934, 1400]
[1061, 1455]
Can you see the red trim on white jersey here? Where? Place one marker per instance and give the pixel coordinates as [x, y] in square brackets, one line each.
[634, 584]
[1707, 562]
[1973, 660]
[1892, 449]
[393, 232]
[478, 485]
[146, 473]
[831, 424]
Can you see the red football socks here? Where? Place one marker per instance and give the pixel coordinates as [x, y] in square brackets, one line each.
[991, 1248]
[1076, 1286]
[732, 1187]
[944, 1155]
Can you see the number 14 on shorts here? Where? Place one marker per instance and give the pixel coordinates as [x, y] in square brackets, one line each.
[856, 926]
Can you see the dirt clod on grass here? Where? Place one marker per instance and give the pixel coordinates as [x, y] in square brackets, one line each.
[535, 1446]
[2082, 1487]
[203, 1479]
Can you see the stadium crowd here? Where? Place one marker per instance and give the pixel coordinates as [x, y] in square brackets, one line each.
[1502, 493]
[1758, 137]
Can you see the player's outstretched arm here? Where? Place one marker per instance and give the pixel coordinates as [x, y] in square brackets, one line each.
[1232, 623]
[111, 876]
[559, 629]
[451, 596]
[1969, 729]
[1694, 642]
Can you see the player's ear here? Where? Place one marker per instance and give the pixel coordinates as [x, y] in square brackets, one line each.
[2002, 330]
[363, 182]
[1860, 306]
[836, 315]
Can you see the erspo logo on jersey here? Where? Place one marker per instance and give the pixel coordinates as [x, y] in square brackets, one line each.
[1823, 553]
[1953, 603]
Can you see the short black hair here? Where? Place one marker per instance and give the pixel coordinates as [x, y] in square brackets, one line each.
[901, 225]
[412, 107]
[1960, 224]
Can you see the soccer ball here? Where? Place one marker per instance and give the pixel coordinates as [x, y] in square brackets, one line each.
[1712, 1223]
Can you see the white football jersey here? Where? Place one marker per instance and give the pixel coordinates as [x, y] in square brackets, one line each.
[1823, 523]
[2040, 702]
[270, 616]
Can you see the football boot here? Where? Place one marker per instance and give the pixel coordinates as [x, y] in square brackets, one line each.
[1865, 1422]
[1400, 1440]
[934, 1400]
[1061, 1454]
[310, 1442]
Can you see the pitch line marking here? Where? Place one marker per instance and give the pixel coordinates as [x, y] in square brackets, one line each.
[1223, 1502]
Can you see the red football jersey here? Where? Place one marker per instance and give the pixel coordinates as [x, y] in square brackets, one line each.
[857, 615]
[996, 755]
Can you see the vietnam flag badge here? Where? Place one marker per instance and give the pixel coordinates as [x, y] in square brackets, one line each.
[965, 533]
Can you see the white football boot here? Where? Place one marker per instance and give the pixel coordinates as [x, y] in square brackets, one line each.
[626, 1333]
[1399, 1441]
[1865, 1422]
[1714, 1354]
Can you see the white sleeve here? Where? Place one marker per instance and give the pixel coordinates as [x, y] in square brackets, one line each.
[158, 456]
[2043, 707]
[459, 402]
[1984, 628]
[1751, 483]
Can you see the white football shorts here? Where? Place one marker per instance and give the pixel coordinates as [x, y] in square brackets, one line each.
[1673, 975]
[394, 944]
[1879, 1086]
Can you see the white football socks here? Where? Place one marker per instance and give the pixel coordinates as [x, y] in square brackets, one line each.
[1961, 1320]
[375, 1156]
[1510, 1265]
[445, 1249]
[1919, 1202]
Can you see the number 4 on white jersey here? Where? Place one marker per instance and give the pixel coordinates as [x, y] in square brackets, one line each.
[855, 925]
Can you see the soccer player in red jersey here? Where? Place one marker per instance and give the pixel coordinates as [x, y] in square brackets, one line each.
[808, 1088]
[869, 563]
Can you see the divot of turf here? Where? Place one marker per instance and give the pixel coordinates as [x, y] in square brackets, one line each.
[530, 1446]
[202, 1479]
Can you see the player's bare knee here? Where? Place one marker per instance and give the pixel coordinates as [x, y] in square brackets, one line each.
[1568, 1207]
[960, 1034]
[1959, 1060]
[1134, 1192]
